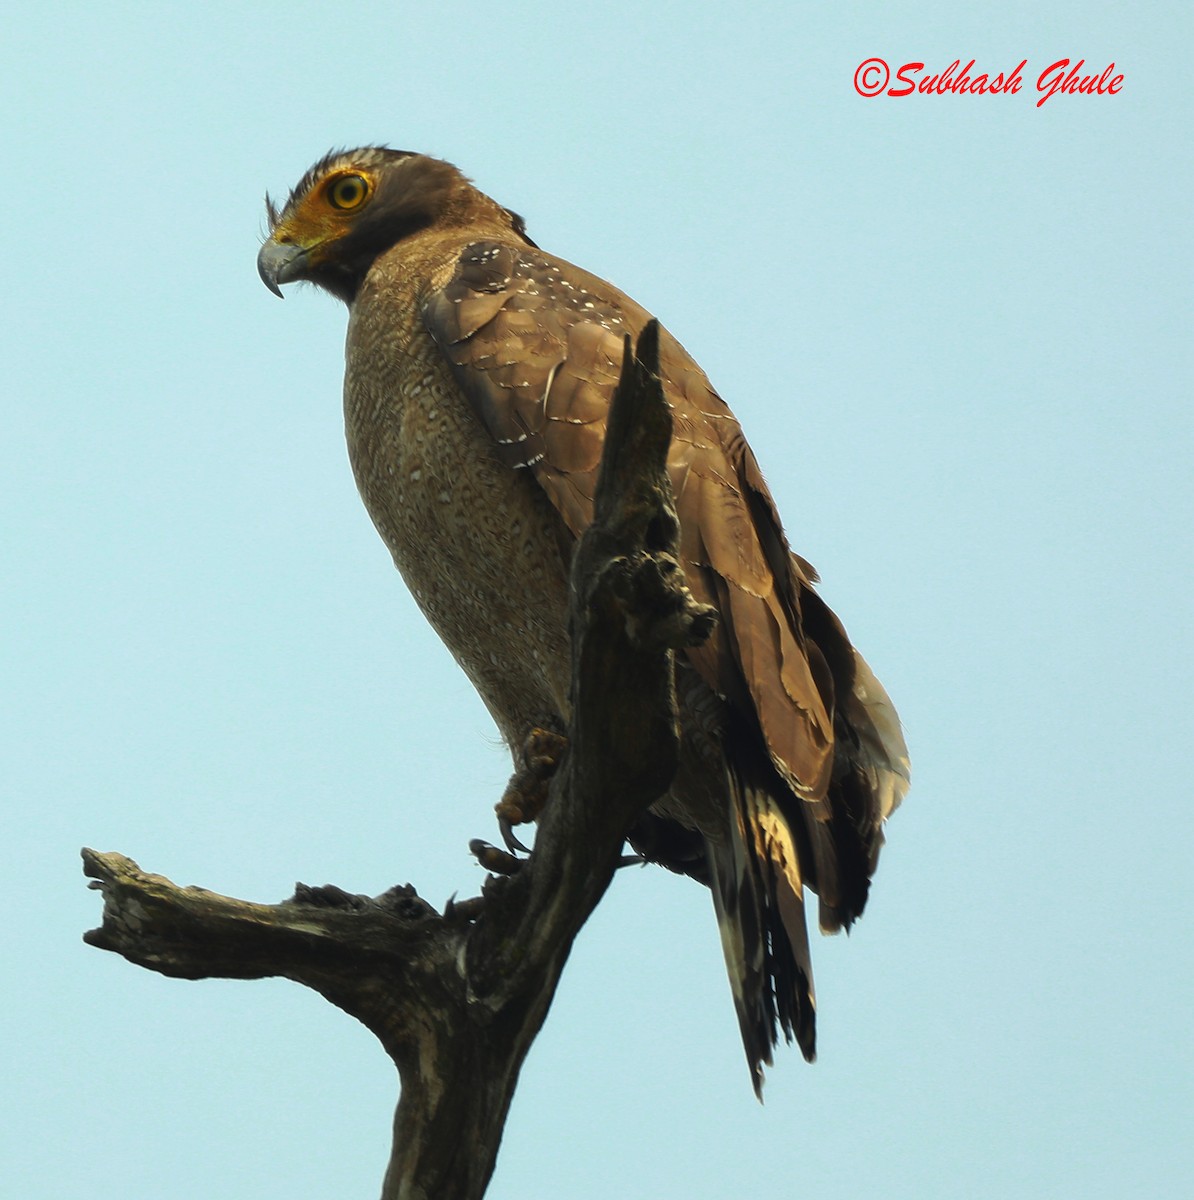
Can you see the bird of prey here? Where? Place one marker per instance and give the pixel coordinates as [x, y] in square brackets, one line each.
[478, 380]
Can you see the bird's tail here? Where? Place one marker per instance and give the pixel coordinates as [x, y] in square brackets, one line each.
[758, 892]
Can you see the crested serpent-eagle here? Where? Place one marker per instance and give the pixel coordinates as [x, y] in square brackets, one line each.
[478, 379]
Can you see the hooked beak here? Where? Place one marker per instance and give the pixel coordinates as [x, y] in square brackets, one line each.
[279, 263]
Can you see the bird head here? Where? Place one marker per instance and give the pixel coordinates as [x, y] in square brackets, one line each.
[352, 206]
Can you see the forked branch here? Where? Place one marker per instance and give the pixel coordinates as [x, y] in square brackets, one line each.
[457, 998]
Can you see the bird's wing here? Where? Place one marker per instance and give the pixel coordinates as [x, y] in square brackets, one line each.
[536, 345]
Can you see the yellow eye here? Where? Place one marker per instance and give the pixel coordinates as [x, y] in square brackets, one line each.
[349, 191]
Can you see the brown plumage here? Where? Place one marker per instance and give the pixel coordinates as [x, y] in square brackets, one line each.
[479, 373]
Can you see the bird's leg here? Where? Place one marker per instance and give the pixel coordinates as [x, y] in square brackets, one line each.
[526, 793]
[523, 801]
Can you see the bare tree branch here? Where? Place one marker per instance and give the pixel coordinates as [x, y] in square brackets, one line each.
[457, 998]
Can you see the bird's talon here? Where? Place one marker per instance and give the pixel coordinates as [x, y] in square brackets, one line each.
[513, 843]
[526, 793]
[494, 860]
[464, 910]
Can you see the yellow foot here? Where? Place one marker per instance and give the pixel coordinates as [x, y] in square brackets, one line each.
[526, 793]
[495, 860]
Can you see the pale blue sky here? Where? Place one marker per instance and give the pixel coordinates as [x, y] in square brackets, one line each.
[958, 333]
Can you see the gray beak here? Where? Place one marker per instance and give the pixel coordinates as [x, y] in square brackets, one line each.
[278, 264]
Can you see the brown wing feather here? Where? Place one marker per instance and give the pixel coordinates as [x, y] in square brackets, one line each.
[813, 754]
[536, 344]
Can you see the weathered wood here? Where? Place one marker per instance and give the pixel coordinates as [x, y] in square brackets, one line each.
[457, 998]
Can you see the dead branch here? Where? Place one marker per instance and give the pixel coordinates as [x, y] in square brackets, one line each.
[457, 998]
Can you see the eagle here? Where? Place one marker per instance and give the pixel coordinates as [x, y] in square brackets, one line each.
[479, 372]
